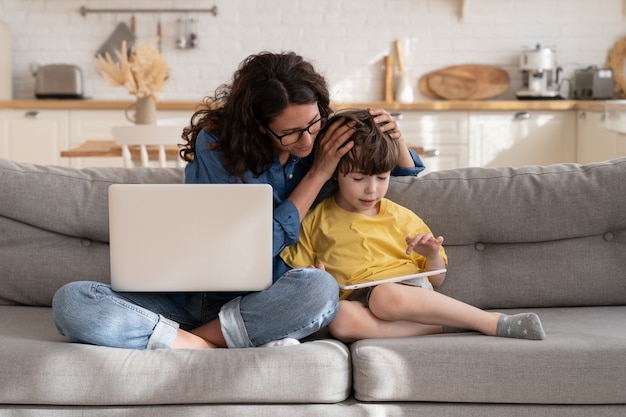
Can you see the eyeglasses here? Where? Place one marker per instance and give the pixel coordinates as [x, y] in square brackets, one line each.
[295, 136]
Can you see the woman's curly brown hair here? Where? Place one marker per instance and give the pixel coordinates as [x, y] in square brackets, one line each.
[263, 86]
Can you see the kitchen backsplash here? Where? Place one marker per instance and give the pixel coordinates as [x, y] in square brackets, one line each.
[346, 39]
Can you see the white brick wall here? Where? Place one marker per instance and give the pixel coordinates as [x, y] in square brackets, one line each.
[346, 39]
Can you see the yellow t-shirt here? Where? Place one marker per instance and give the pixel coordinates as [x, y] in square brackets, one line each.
[354, 246]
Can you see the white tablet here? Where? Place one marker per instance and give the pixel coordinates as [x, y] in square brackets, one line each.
[377, 281]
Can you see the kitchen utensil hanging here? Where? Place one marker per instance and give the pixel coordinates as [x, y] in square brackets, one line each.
[121, 33]
[159, 31]
[187, 37]
[181, 38]
[187, 33]
[192, 38]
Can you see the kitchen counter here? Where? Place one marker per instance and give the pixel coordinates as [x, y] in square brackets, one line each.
[59, 130]
[427, 105]
[90, 104]
[447, 105]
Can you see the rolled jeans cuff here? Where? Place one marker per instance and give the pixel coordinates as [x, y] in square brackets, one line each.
[163, 335]
[233, 328]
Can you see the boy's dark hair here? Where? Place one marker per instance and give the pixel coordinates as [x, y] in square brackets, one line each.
[374, 151]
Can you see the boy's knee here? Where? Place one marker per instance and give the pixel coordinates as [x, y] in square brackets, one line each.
[385, 299]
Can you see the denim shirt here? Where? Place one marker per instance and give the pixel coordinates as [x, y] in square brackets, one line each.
[207, 167]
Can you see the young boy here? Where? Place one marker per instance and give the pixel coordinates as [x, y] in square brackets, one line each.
[357, 233]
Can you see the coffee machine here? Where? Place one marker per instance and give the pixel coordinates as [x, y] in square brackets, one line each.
[540, 74]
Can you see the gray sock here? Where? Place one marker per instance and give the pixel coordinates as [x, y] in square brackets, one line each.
[520, 326]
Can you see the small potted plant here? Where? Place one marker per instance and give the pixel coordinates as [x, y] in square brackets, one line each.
[143, 71]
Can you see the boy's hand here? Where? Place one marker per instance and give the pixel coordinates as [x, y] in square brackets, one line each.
[426, 245]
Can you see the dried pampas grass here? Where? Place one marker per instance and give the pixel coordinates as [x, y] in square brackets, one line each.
[144, 72]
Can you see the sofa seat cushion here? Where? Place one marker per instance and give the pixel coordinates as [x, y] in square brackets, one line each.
[40, 367]
[581, 361]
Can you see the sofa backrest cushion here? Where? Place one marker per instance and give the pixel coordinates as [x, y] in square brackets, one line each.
[54, 225]
[528, 237]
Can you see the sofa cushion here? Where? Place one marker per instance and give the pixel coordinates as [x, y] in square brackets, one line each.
[35, 262]
[40, 367]
[54, 226]
[528, 237]
[67, 200]
[581, 361]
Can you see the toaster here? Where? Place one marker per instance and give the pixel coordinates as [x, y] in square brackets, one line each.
[59, 81]
[593, 83]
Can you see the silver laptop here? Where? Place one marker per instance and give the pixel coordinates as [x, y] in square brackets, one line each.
[190, 237]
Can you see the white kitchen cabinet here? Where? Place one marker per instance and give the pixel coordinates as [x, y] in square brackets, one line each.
[39, 135]
[34, 136]
[443, 135]
[515, 139]
[594, 142]
[94, 125]
[620, 148]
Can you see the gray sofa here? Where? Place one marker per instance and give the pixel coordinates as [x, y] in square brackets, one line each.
[547, 239]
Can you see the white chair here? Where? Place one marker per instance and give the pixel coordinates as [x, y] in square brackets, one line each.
[158, 135]
[177, 121]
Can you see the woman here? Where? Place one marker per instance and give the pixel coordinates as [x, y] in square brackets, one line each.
[259, 129]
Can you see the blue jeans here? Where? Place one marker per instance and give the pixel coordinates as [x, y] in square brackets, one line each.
[298, 304]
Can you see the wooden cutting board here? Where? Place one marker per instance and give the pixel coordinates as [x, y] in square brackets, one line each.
[465, 82]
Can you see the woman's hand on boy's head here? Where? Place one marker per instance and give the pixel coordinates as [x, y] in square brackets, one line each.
[332, 145]
[425, 244]
[387, 122]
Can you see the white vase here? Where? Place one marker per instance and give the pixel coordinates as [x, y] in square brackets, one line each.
[404, 91]
[145, 111]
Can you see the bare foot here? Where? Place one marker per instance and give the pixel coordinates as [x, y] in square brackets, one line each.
[186, 340]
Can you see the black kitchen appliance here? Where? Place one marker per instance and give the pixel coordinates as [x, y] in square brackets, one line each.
[594, 83]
